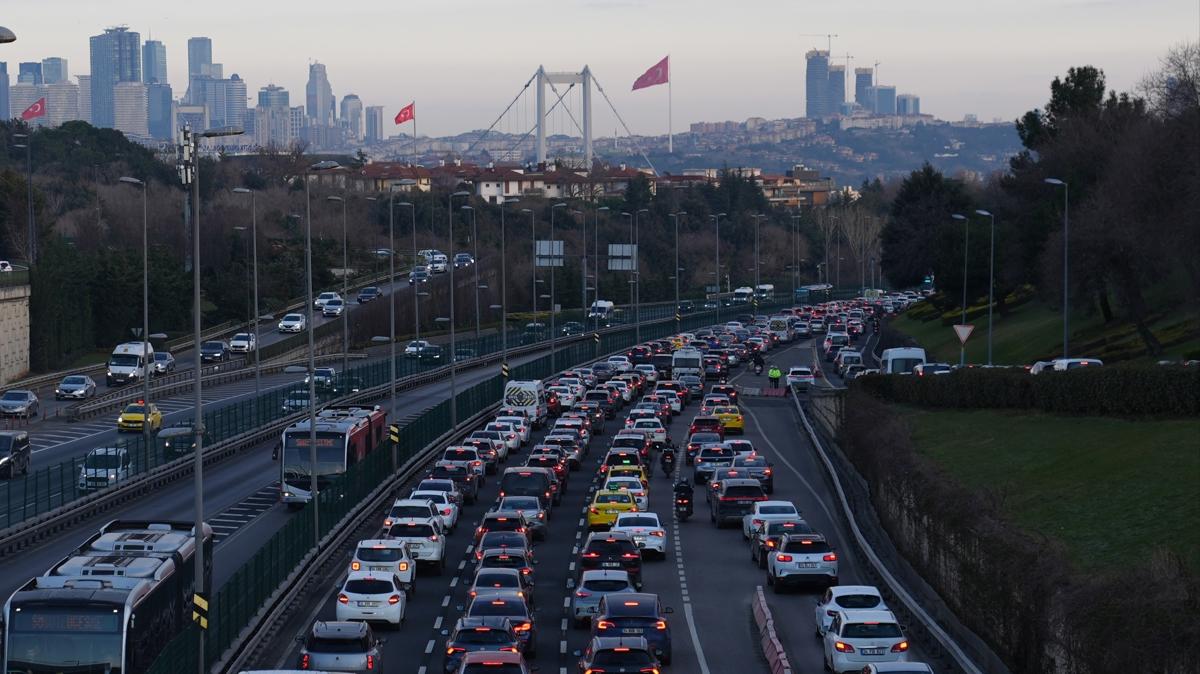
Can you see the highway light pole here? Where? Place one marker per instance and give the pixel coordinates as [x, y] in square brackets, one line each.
[962, 353]
[416, 288]
[637, 274]
[504, 289]
[1066, 240]
[392, 318]
[453, 338]
[28, 147]
[757, 261]
[475, 264]
[678, 314]
[795, 254]
[254, 259]
[717, 273]
[147, 361]
[991, 277]
[596, 268]
[553, 267]
[345, 291]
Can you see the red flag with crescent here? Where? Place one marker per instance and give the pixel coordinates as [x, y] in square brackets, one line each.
[36, 110]
[407, 113]
[659, 73]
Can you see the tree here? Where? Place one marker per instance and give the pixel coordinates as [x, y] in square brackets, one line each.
[917, 238]
[1079, 95]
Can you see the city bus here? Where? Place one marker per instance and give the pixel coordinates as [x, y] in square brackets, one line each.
[345, 434]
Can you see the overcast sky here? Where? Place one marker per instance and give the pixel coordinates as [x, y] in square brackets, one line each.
[464, 60]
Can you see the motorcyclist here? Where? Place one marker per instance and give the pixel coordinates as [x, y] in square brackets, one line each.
[774, 374]
[667, 459]
[757, 359]
[683, 492]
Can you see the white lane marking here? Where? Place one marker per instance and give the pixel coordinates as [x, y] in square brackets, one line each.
[422, 670]
[566, 602]
[462, 565]
[571, 567]
[779, 455]
[429, 647]
[691, 621]
[445, 601]
[454, 581]
[437, 624]
[563, 626]
[562, 647]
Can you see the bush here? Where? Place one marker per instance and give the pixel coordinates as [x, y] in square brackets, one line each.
[1120, 391]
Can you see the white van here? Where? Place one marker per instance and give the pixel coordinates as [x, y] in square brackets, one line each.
[781, 328]
[901, 361]
[439, 263]
[128, 363]
[530, 397]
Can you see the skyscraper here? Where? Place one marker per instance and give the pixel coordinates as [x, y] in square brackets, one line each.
[3, 90]
[837, 89]
[154, 62]
[374, 123]
[54, 70]
[272, 96]
[319, 96]
[296, 121]
[22, 95]
[62, 102]
[130, 109]
[30, 72]
[816, 90]
[160, 111]
[352, 115]
[864, 80]
[885, 100]
[235, 101]
[85, 98]
[272, 118]
[908, 104]
[116, 56]
[199, 57]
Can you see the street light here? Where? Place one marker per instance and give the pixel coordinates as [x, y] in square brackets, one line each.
[345, 287]
[533, 298]
[147, 362]
[678, 315]
[553, 267]
[757, 275]
[254, 257]
[28, 147]
[416, 302]
[475, 264]
[991, 277]
[504, 290]
[962, 353]
[453, 339]
[596, 267]
[6, 36]
[717, 274]
[637, 275]
[1066, 239]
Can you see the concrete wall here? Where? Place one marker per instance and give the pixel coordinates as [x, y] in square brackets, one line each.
[14, 332]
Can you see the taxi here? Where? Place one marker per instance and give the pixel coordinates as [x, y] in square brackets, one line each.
[731, 418]
[628, 470]
[606, 505]
[133, 416]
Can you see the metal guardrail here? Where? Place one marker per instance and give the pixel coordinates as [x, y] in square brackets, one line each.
[131, 392]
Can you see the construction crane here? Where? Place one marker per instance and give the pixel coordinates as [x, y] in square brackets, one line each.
[876, 73]
[828, 36]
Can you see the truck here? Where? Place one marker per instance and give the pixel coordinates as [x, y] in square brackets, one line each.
[129, 363]
[601, 311]
[687, 361]
[742, 295]
[901, 360]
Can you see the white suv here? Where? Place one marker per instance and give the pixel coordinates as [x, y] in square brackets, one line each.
[445, 505]
[802, 558]
[385, 557]
[858, 638]
[845, 597]
[424, 537]
[324, 298]
[243, 342]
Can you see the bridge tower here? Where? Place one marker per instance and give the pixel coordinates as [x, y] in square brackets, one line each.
[584, 78]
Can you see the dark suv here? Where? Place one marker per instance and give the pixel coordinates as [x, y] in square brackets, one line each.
[487, 633]
[467, 481]
[612, 550]
[15, 454]
[735, 499]
[635, 614]
[618, 655]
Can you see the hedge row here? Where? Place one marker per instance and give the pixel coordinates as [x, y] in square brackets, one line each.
[1120, 391]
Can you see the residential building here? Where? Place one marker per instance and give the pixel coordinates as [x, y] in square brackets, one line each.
[908, 104]
[54, 70]
[352, 115]
[116, 56]
[130, 109]
[374, 123]
[154, 62]
[62, 102]
[319, 96]
[296, 122]
[837, 89]
[22, 95]
[4, 90]
[160, 111]
[816, 90]
[30, 72]
[85, 98]
[864, 79]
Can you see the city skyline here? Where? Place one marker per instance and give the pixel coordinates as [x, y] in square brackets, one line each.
[958, 62]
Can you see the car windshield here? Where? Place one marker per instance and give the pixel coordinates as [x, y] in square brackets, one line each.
[293, 317]
[705, 437]
[777, 510]
[157, 356]
[412, 510]
[858, 601]
[871, 631]
[493, 668]
[776, 528]
[743, 491]
[750, 462]
[610, 546]
[520, 503]
[807, 547]
[606, 585]
[368, 586]
[484, 636]
[381, 554]
[18, 396]
[102, 461]
[638, 521]
[241, 337]
[411, 530]
[73, 380]
[129, 409]
[613, 498]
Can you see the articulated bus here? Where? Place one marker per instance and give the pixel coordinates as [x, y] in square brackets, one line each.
[345, 434]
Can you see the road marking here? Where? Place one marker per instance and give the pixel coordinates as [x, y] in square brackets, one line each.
[454, 581]
[562, 647]
[429, 647]
[571, 567]
[566, 602]
[462, 564]
[445, 601]
[437, 624]
[563, 627]
[779, 455]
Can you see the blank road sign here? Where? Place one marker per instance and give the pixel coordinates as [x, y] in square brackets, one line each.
[622, 257]
[549, 253]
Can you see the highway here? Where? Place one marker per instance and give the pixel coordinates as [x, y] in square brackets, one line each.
[707, 578]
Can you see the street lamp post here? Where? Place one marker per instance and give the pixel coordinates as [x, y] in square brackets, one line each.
[757, 261]
[717, 273]
[962, 357]
[596, 269]
[795, 254]
[533, 298]
[553, 267]
[1066, 240]
[416, 289]
[28, 146]
[504, 289]
[254, 257]
[632, 262]
[637, 274]
[678, 315]
[475, 264]
[453, 338]
[345, 288]
[991, 277]
[147, 362]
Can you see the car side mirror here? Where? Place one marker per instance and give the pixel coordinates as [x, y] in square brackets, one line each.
[577, 653]
[668, 610]
[445, 633]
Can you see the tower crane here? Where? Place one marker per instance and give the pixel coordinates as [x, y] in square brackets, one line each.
[828, 36]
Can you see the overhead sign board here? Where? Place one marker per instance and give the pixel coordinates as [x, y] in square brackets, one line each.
[622, 257]
[548, 253]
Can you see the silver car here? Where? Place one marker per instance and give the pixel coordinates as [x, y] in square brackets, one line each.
[594, 585]
[75, 386]
[163, 363]
[341, 646]
[19, 403]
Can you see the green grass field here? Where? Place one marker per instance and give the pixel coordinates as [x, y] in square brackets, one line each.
[1111, 490]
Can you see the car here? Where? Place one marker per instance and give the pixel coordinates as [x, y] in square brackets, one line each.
[636, 614]
[516, 558]
[727, 390]
[418, 275]
[431, 353]
[163, 363]
[333, 308]
[511, 605]
[709, 460]
[325, 298]
[594, 585]
[495, 521]
[438, 264]
[369, 293]
[612, 550]
[799, 378]
[760, 468]
[857, 638]
[295, 401]
[653, 429]
[76, 387]
[854, 371]
[135, 414]
[242, 342]
[926, 369]
[469, 457]
[488, 635]
[618, 654]
[104, 467]
[647, 532]
[447, 508]
[606, 505]
[704, 423]
[633, 485]
[769, 536]
[520, 424]
[698, 440]
[19, 403]
[734, 499]
[372, 596]
[413, 348]
[386, 557]
[324, 378]
[731, 418]
[15, 453]
[528, 507]
[410, 508]
[446, 486]
[844, 597]
[493, 663]
[292, 323]
[425, 539]
[215, 351]
[511, 440]
[497, 579]
[765, 511]
[1066, 364]
[802, 559]
[571, 328]
[344, 646]
[648, 371]
[463, 260]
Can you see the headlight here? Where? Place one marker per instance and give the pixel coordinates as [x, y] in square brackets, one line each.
[112, 477]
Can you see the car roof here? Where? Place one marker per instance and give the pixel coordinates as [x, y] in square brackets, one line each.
[633, 604]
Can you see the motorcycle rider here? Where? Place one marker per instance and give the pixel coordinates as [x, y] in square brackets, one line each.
[774, 374]
[757, 359]
[667, 458]
[683, 495]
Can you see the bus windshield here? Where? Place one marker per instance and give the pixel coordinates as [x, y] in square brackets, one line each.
[64, 639]
[331, 453]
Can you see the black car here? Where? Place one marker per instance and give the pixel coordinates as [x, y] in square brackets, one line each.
[430, 353]
[687, 306]
[511, 605]
[484, 633]
[618, 655]
[735, 499]
[214, 352]
[635, 614]
[640, 355]
[15, 453]
[612, 550]
[367, 294]
[465, 479]
[571, 328]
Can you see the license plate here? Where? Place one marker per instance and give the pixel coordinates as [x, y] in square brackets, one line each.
[591, 609]
[610, 512]
[379, 568]
[631, 630]
[807, 565]
[610, 565]
[873, 651]
[639, 539]
[368, 603]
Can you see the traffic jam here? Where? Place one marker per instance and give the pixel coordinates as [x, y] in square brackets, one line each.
[549, 536]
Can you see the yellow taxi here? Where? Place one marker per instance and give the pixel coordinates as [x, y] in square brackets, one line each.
[134, 415]
[731, 418]
[606, 505]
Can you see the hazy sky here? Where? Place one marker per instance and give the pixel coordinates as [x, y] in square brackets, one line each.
[464, 60]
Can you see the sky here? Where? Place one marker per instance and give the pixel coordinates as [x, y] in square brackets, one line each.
[463, 61]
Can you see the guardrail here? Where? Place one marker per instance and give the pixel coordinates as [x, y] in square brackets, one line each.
[772, 647]
[130, 392]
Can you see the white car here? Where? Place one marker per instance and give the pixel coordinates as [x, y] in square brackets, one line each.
[425, 539]
[845, 597]
[243, 342]
[324, 299]
[371, 596]
[641, 498]
[413, 348]
[673, 399]
[512, 439]
[1065, 364]
[385, 557]
[333, 307]
[410, 508]
[467, 457]
[646, 530]
[799, 377]
[857, 638]
[648, 371]
[566, 395]
[577, 424]
[292, 323]
[765, 511]
[445, 505]
[530, 507]
[620, 363]
[622, 387]
[802, 558]
[103, 467]
[653, 429]
[519, 424]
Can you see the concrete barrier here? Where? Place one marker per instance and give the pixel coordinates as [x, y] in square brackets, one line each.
[772, 647]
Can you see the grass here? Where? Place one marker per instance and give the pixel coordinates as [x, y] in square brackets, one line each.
[90, 358]
[1111, 490]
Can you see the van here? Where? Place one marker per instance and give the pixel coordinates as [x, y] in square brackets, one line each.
[901, 361]
[530, 397]
[129, 363]
[529, 481]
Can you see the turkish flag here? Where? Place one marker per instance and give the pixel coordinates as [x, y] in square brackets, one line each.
[659, 73]
[38, 109]
[407, 114]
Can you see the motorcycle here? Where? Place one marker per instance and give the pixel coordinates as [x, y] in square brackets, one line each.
[668, 462]
[683, 507]
[758, 369]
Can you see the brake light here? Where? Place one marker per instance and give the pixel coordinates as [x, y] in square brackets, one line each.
[582, 593]
[783, 558]
[755, 523]
[433, 538]
[387, 522]
[605, 625]
[842, 647]
[394, 599]
[629, 555]
[831, 557]
[355, 566]
[591, 555]
[657, 534]
[455, 649]
[900, 647]
[660, 625]
[304, 661]
[522, 627]
[343, 599]
[370, 661]
[770, 544]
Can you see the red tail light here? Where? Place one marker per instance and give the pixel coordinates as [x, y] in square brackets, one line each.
[605, 625]
[629, 555]
[343, 599]
[522, 627]
[445, 511]
[842, 647]
[660, 625]
[783, 558]
[831, 557]
[304, 661]
[594, 511]
[451, 650]
[900, 647]
[370, 661]
[394, 599]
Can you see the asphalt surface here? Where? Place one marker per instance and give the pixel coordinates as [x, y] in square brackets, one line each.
[707, 577]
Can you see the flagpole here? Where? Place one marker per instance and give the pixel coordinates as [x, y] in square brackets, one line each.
[670, 133]
[413, 160]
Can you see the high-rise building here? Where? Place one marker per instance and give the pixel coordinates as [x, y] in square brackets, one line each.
[297, 120]
[195, 116]
[352, 115]
[22, 95]
[235, 101]
[54, 70]
[374, 123]
[85, 98]
[130, 108]
[319, 96]
[816, 90]
[272, 118]
[885, 100]
[199, 59]
[272, 96]
[160, 111]
[154, 62]
[864, 80]
[249, 126]
[3, 90]
[62, 102]
[116, 56]
[837, 89]
[908, 104]
[30, 72]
